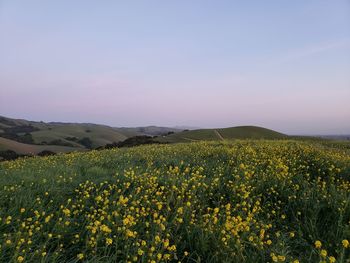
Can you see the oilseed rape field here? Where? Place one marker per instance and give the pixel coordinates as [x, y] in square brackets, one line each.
[229, 201]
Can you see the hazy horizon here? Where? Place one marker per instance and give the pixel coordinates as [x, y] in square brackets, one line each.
[280, 65]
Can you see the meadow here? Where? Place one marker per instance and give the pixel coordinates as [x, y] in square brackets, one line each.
[223, 201]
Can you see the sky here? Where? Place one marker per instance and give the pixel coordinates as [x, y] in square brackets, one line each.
[283, 65]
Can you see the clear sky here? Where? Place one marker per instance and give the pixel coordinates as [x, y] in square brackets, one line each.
[284, 65]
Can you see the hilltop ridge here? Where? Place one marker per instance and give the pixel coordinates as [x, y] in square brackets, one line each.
[239, 132]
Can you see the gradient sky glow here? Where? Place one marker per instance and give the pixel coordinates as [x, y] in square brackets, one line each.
[284, 65]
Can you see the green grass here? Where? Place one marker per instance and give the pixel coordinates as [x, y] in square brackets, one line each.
[240, 132]
[251, 132]
[23, 148]
[225, 201]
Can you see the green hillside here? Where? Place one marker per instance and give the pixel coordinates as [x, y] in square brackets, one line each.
[72, 133]
[28, 137]
[23, 148]
[25, 137]
[240, 132]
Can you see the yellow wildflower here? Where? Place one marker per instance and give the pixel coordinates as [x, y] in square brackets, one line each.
[109, 241]
[332, 259]
[318, 244]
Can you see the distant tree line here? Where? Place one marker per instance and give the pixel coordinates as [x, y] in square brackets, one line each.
[19, 133]
[10, 155]
[131, 142]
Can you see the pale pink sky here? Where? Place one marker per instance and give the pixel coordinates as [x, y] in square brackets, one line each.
[281, 65]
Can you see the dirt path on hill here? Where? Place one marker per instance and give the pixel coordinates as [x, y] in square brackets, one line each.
[219, 135]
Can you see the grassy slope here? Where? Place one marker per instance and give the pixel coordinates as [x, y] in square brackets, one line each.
[100, 135]
[251, 132]
[281, 187]
[22, 148]
[241, 132]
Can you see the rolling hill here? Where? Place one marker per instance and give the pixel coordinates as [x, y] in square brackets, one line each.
[31, 137]
[28, 137]
[23, 148]
[240, 132]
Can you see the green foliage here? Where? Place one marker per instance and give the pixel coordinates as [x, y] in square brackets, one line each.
[131, 142]
[86, 142]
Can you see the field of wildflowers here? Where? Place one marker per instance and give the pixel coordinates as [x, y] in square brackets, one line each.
[241, 201]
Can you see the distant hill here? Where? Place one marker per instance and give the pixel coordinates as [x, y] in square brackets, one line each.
[32, 137]
[240, 132]
[25, 137]
[23, 148]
